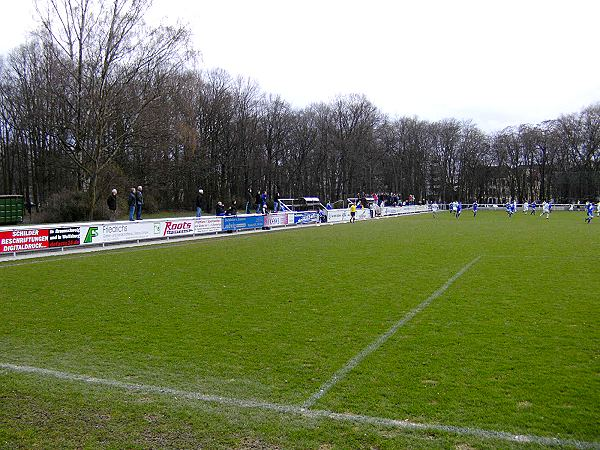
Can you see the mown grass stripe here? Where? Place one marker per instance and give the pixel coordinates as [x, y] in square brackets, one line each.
[357, 359]
[297, 410]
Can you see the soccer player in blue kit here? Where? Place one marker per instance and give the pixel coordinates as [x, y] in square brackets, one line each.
[590, 212]
[475, 207]
[458, 209]
[533, 206]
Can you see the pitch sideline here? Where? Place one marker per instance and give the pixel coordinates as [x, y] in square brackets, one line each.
[298, 410]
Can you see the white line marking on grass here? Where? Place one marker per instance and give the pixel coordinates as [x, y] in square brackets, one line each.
[559, 257]
[310, 413]
[356, 360]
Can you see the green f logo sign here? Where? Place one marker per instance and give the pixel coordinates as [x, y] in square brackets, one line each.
[91, 234]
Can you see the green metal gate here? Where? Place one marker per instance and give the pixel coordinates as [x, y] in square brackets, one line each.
[11, 209]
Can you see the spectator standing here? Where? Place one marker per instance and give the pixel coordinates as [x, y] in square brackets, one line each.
[263, 199]
[248, 200]
[111, 201]
[258, 201]
[276, 202]
[139, 201]
[131, 201]
[199, 203]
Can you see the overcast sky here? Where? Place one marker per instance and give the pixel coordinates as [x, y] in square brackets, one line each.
[496, 62]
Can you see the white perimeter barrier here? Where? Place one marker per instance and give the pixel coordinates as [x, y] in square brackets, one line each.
[14, 240]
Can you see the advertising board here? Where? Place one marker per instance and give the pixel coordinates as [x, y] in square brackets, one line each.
[398, 210]
[343, 215]
[178, 227]
[120, 232]
[23, 240]
[303, 218]
[64, 236]
[251, 222]
[208, 225]
[276, 219]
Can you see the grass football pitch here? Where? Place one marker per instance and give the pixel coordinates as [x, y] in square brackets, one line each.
[409, 332]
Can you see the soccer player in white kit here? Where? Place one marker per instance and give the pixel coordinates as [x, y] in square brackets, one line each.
[545, 210]
[525, 207]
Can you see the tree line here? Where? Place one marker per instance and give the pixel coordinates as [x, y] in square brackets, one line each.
[97, 99]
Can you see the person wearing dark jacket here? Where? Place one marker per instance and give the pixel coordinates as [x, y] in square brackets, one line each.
[199, 203]
[232, 211]
[258, 201]
[131, 201]
[248, 200]
[111, 201]
[139, 200]
[220, 209]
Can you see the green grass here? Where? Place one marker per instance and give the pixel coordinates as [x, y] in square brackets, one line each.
[511, 346]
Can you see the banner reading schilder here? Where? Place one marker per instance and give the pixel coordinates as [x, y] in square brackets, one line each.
[23, 240]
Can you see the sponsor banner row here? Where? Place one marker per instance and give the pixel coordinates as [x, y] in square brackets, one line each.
[42, 238]
[20, 240]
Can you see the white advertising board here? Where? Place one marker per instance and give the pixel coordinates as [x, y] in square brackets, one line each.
[343, 215]
[276, 220]
[120, 232]
[208, 225]
[398, 210]
[177, 227]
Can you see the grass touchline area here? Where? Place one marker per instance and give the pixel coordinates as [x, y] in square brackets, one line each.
[303, 411]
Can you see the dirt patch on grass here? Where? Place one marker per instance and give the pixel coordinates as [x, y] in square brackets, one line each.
[255, 444]
[464, 447]
[152, 418]
[524, 405]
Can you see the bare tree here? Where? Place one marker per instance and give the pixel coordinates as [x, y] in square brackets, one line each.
[111, 69]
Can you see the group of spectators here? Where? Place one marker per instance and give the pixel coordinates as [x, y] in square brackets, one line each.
[255, 202]
[135, 202]
[385, 199]
[259, 202]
